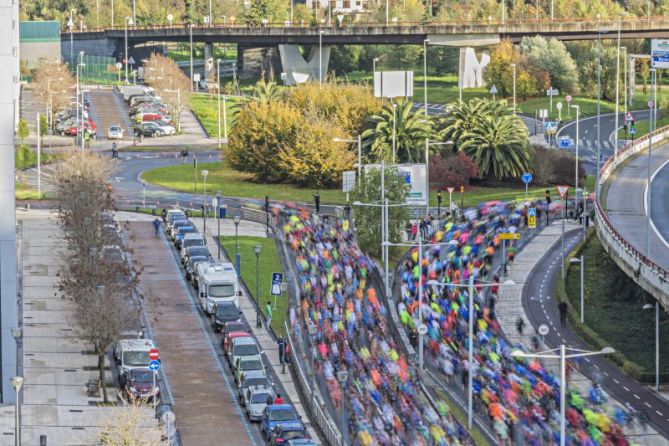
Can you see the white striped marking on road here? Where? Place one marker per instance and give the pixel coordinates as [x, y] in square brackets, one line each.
[647, 404]
[659, 413]
[637, 396]
[626, 388]
[605, 374]
[616, 381]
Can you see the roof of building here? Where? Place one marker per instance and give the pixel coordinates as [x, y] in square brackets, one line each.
[48, 31]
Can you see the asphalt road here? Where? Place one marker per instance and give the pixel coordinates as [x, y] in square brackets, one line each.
[625, 204]
[541, 308]
[588, 136]
[659, 202]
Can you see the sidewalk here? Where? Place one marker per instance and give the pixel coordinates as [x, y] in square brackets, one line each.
[203, 395]
[55, 365]
[510, 307]
[265, 340]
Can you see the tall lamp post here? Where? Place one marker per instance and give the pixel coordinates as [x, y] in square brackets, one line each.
[218, 221]
[425, 42]
[128, 21]
[342, 377]
[651, 128]
[17, 382]
[320, 58]
[394, 131]
[581, 262]
[513, 66]
[562, 356]
[615, 133]
[257, 249]
[236, 219]
[204, 201]
[657, 342]
[578, 111]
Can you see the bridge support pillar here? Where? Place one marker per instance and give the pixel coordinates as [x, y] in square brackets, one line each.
[298, 70]
[209, 62]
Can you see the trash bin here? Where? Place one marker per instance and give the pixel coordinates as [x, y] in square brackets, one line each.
[222, 212]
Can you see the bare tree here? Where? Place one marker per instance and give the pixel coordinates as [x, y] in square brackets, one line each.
[130, 426]
[96, 275]
[173, 87]
[52, 84]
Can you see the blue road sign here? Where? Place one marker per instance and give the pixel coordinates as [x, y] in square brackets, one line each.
[531, 212]
[527, 178]
[632, 130]
[565, 142]
[277, 279]
[154, 365]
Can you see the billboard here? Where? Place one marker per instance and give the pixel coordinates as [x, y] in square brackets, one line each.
[392, 84]
[659, 53]
[415, 176]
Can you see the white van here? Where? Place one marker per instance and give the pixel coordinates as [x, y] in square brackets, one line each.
[132, 354]
[217, 282]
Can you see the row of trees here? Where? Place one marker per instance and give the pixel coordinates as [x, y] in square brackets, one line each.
[155, 12]
[52, 84]
[99, 283]
[170, 83]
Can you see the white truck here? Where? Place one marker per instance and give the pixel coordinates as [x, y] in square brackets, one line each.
[132, 354]
[217, 282]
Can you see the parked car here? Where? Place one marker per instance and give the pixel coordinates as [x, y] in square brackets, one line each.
[176, 224]
[115, 132]
[169, 130]
[255, 401]
[242, 346]
[282, 434]
[283, 415]
[229, 329]
[255, 378]
[147, 130]
[181, 234]
[139, 383]
[224, 312]
[192, 264]
[192, 251]
[246, 364]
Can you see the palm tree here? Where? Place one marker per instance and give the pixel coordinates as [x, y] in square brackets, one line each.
[264, 91]
[411, 130]
[463, 116]
[498, 145]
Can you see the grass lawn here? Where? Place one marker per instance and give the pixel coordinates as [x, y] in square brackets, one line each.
[642, 128]
[269, 263]
[206, 109]
[236, 184]
[613, 307]
[24, 192]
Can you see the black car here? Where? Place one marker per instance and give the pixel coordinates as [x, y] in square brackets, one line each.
[196, 251]
[147, 130]
[283, 434]
[223, 313]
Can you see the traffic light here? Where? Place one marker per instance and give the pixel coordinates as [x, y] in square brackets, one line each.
[462, 189]
[548, 196]
[439, 197]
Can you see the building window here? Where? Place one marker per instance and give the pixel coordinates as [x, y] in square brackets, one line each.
[347, 4]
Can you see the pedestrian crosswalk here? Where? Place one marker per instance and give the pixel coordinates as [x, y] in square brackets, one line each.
[29, 178]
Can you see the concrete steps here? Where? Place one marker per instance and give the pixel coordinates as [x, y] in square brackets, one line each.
[108, 109]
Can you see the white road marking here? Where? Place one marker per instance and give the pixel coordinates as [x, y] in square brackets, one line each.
[605, 374]
[616, 381]
[626, 389]
[647, 404]
[659, 413]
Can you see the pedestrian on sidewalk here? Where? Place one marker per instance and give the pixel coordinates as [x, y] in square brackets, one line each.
[562, 308]
[156, 226]
[278, 399]
[520, 325]
[317, 202]
[268, 313]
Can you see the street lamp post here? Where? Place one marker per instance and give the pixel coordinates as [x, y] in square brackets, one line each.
[615, 133]
[218, 85]
[359, 141]
[425, 42]
[257, 249]
[657, 342]
[562, 356]
[624, 48]
[394, 131]
[190, 41]
[651, 128]
[218, 221]
[17, 382]
[581, 262]
[374, 61]
[599, 116]
[578, 110]
[513, 66]
[204, 201]
[320, 58]
[236, 219]
[342, 377]
[128, 21]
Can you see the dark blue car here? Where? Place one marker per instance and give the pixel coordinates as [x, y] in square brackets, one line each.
[283, 415]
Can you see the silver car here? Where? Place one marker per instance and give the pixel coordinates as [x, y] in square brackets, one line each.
[255, 400]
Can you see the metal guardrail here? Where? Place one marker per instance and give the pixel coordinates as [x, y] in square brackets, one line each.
[330, 432]
[655, 275]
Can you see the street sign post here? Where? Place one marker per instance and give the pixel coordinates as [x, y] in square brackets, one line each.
[509, 236]
[450, 198]
[422, 329]
[154, 354]
[564, 142]
[562, 190]
[629, 117]
[348, 182]
[154, 365]
[568, 99]
[550, 93]
[277, 279]
[532, 218]
[559, 109]
[493, 91]
[527, 179]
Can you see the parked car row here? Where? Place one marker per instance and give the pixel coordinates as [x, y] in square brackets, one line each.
[149, 115]
[68, 122]
[218, 292]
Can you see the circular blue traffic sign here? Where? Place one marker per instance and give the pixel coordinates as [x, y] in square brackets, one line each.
[527, 177]
[154, 365]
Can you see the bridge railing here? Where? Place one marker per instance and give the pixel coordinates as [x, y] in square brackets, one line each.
[633, 23]
[654, 274]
